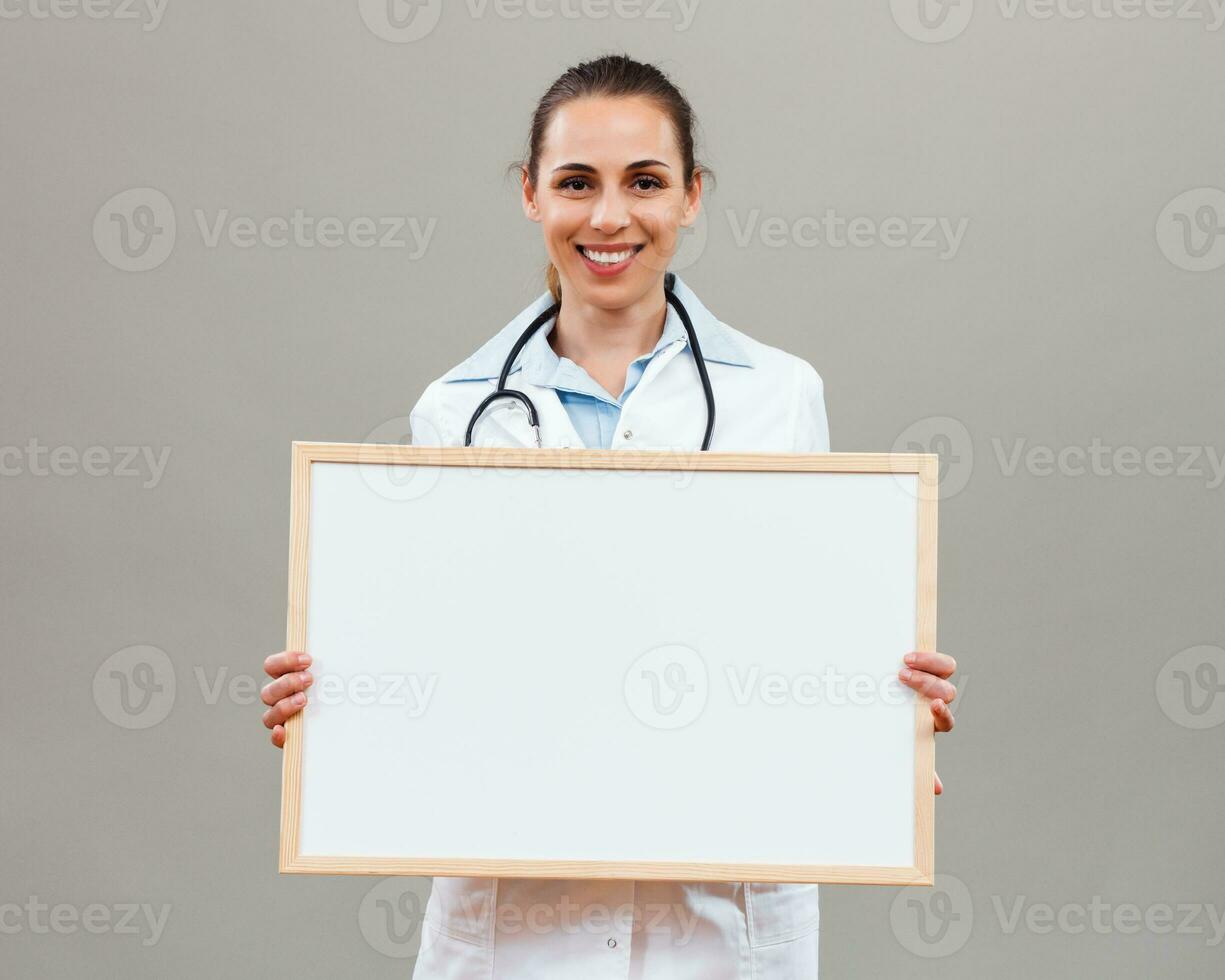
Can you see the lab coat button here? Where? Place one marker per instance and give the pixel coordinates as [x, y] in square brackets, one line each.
[627, 434]
[612, 944]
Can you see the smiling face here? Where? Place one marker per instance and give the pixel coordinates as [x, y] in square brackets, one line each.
[610, 194]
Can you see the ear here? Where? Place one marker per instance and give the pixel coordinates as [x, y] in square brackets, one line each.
[530, 207]
[693, 201]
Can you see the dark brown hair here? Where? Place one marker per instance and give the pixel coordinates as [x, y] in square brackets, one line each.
[616, 76]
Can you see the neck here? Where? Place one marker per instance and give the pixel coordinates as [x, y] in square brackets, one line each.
[605, 342]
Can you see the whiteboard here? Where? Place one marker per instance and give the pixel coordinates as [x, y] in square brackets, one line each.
[610, 664]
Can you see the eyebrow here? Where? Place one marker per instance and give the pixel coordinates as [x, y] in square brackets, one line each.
[588, 169]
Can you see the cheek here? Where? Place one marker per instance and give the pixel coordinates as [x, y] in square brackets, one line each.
[661, 219]
[562, 220]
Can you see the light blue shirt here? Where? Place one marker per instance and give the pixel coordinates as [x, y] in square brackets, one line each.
[592, 410]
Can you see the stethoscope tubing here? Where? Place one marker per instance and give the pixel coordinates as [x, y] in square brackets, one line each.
[533, 416]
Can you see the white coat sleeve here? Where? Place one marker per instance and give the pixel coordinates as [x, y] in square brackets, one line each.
[811, 426]
[425, 420]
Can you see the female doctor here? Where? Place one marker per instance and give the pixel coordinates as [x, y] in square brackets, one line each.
[610, 177]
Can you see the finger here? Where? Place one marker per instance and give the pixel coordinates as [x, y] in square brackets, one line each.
[285, 685]
[283, 709]
[944, 716]
[278, 736]
[939, 785]
[940, 664]
[927, 684]
[285, 661]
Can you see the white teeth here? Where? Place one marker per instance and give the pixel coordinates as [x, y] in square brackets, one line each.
[608, 258]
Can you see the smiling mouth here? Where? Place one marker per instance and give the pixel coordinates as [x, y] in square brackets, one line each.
[608, 258]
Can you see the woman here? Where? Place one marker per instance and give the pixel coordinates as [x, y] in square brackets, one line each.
[610, 176]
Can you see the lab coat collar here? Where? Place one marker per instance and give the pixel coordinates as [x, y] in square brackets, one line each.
[486, 363]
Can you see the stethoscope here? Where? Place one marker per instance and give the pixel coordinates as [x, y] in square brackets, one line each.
[503, 392]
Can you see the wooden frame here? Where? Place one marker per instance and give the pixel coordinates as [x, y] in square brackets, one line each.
[924, 466]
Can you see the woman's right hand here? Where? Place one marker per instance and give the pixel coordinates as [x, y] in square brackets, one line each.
[285, 695]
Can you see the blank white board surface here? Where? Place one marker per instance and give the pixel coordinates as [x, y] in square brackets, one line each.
[526, 666]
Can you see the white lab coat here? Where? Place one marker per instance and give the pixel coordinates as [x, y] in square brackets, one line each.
[544, 929]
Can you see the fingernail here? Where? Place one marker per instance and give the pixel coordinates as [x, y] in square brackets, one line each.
[306, 677]
[904, 674]
[304, 659]
[909, 658]
[299, 698]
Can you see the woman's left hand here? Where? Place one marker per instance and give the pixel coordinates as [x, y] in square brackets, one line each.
[928, 672]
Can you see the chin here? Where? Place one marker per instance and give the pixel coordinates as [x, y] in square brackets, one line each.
[609, 294]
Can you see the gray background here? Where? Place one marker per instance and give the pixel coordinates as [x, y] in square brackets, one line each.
[1067, 315]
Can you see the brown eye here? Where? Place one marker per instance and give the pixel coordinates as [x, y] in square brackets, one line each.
[653, 182]
[568, 183]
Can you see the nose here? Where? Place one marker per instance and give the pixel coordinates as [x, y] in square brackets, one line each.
[611, 212]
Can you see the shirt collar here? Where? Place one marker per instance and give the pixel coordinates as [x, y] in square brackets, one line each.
[542, 364]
